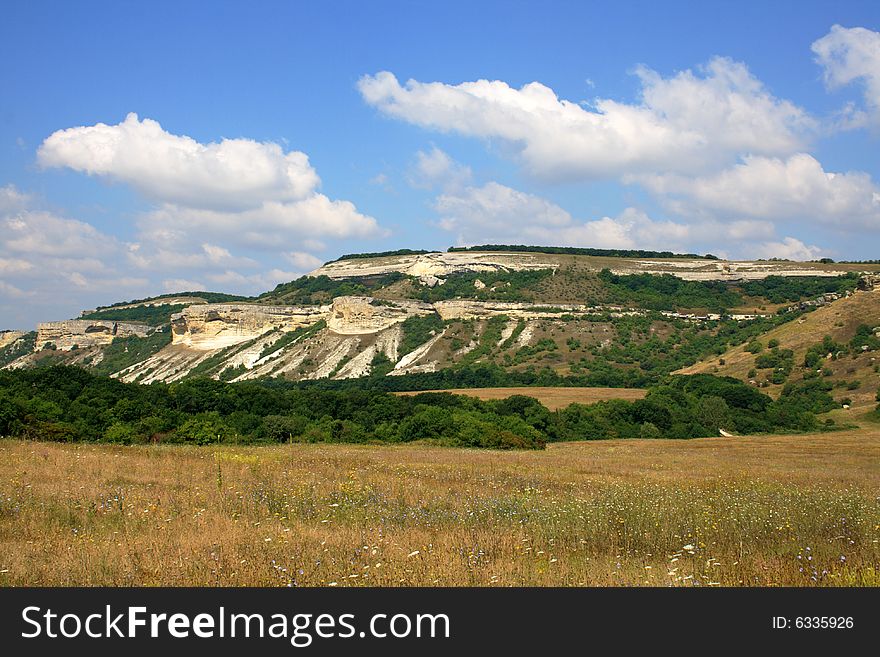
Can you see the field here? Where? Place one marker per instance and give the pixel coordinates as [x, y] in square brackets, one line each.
[763, 511]
[552, 398]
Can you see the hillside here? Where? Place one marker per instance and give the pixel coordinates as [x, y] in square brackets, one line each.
[416, 320]
[846, 361]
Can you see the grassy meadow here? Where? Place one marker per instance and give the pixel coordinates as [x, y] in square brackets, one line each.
[760, 511]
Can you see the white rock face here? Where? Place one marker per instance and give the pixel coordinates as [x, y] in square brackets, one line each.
[720, 270]
[358, 315]
[86, 333]
[467, 309]
[218, 325]
[8, 337]
[435, 264]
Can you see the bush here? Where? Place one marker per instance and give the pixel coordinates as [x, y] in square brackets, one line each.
[649, 430]
[204, 429]
[120, 432]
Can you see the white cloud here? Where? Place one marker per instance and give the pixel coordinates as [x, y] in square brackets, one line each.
[847, 55]
[203, 257]
[683, 123]
[233, 193]
[11, 199]
[231, 174]
[772, 189]
[495, 213]
[182, 285]
[255, 282]
[11, 292]
[495, 209]
[788, 249]
[303, 261]
[14, 266]
[57, 264]
[62, 265]
[272, 226]
[34, 232]
[436, 168]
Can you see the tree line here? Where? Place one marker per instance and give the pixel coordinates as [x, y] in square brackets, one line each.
[65, 403]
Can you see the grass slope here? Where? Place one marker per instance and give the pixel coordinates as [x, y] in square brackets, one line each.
[839, 320]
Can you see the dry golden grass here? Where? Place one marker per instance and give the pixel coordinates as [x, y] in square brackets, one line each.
[795, 510]
[552, 398]
[839, 320]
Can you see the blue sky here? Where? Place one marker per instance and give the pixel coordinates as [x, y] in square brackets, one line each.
[156, 147]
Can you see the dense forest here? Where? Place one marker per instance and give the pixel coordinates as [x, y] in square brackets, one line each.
[70, 404]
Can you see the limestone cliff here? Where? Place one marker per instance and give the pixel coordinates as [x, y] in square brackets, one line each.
[357, 315]
[431, 268]
[435, 264]
[217, 325]
[8, 337]
[86, 333]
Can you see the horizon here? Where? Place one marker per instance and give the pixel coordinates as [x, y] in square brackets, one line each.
[232, 148]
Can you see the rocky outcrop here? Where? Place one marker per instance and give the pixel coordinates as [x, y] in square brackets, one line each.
[721, 270]
[357, 315]
[219, 325]
[868, 282]
[466, 309]
[86, 333]
[8, 337]
[432, 266]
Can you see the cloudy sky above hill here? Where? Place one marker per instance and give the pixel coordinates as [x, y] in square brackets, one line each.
[164, 147]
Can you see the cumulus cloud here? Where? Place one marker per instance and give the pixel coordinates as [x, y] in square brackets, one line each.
[495, 213]
[682, 123]
[230, 174]
[35, 232]
[11, 292]
[56, 263]
[788, 249]
[849, 55]
[435, 168]
[260, 281]
[62, 265]
[206, 256]
[773, 189]
[303, 261]
[272, 226]
[182, 285]
[14, 266]
[239, 190]
[11, 199]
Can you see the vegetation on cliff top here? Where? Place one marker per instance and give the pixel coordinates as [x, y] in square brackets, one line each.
[574, 250]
